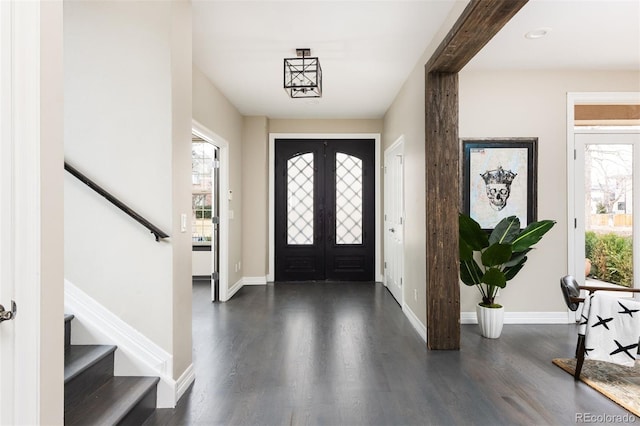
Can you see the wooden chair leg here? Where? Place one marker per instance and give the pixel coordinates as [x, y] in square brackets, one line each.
[579, 356]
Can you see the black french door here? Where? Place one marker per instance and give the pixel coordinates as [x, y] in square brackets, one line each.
[324, 210]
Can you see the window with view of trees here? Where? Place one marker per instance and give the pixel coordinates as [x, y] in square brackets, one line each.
[609, 212]
[202, 156]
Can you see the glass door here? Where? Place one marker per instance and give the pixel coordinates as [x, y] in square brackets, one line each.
[605, 200]
[205, 215]
[324, 210]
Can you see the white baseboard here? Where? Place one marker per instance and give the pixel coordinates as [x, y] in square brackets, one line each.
[234, 289]
[184, 381]
[254, 281]
[136, 354]
[415, 322]
[523, 318]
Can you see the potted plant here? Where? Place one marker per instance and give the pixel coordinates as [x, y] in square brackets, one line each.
[502, 254]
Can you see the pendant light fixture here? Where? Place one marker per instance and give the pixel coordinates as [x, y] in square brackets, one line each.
[303, 75]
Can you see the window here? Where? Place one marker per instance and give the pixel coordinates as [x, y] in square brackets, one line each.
[349, 201]
[300, 171]
[202, 158]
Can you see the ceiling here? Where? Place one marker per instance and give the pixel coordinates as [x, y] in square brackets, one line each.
[367, 48]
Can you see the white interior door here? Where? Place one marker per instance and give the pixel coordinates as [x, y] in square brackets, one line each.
[394, 220]
[31, 183]
[7, 273]
[606, 200]
[21, 254]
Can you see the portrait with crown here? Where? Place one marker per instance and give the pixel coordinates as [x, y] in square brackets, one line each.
[499, 180]
[498, 184]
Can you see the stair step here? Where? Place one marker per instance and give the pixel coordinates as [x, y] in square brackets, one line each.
[67, 330]
[79, 358]
[120, 400]
[86, 368]
[93, 396]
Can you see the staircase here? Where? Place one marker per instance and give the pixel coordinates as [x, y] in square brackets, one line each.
[93, 395]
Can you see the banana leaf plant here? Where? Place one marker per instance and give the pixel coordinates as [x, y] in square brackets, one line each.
[502, 254]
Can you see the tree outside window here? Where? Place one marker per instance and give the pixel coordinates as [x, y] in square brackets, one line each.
[202, 155]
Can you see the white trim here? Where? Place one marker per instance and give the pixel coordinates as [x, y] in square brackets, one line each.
[184, 381]
[468, 318]
[223, 251]
[378, 274]
[136, 354]
[523, 318]
[233, 290]
[395, 144]
[415, 321]
[254, 281]
[270, 172]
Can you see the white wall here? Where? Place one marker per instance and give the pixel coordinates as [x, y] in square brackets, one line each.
[325, 126]
[255, 192]
[533, 104]
[181, 84]
[127, 126]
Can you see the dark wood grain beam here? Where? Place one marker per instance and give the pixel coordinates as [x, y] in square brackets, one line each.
[479, 22]
[442, 205]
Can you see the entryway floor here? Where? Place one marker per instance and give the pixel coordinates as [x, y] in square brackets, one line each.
[345, 354]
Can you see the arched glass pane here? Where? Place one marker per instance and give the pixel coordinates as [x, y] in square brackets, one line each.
[300, 200]
[348, 199]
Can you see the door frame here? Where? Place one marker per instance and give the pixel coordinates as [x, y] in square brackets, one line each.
[378, 205]
[573, 99]
[223, 249]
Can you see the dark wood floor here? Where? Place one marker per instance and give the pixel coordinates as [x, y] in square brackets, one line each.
[345, 354]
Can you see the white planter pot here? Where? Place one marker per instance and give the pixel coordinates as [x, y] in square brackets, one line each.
[490, 321]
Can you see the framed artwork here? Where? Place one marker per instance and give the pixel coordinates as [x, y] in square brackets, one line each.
[499, 179]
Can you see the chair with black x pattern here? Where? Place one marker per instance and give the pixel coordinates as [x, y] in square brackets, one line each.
[571, 292]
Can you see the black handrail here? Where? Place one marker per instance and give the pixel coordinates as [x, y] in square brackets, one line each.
[119, 204]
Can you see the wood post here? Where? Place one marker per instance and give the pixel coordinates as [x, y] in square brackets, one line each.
[475, 27]
[442, 206]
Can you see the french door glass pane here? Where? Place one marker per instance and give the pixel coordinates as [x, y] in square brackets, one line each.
[348, 199]
[300, 200]
[609, 213]
[202, 156]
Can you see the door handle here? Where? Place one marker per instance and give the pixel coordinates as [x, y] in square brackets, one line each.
[8, 315]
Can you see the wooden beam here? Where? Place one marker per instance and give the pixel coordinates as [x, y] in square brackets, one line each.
[479, 22]
[442, 204]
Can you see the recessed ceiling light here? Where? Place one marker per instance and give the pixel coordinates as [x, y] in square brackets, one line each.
[537, 33]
